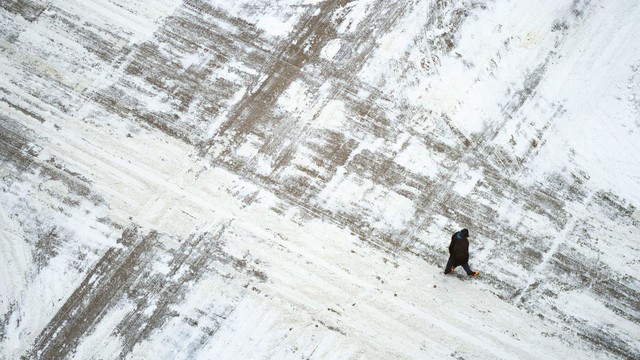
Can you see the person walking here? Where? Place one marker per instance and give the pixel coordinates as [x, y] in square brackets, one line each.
[459, 253]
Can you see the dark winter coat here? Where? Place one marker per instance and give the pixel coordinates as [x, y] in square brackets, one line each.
[459, 249]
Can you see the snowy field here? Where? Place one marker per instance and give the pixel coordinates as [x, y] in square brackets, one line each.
[253, 179]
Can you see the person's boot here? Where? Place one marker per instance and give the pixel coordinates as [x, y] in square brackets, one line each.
[475, 273]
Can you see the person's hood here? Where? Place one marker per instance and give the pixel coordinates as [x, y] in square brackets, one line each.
[462, 234]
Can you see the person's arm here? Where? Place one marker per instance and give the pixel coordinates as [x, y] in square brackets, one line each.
[453, 238]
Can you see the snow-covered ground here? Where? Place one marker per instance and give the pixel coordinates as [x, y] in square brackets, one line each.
[280, 179]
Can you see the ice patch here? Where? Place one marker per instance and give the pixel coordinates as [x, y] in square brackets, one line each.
[330, 50]
[162, 268]
[249, 147]
[295, 97]
[275, 26]
[353, 194]
[332, 116]
[263, 165]
[356, 12]
[419, 159]
[192, 59]
[583, 306]
[275, 18]
[465, 186]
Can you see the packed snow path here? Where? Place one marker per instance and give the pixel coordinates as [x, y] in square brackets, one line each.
[280, 179]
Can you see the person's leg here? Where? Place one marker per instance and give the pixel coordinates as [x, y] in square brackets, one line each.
[466, 268]
[449, 267]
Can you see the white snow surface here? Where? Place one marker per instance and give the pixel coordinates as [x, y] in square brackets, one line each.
[319, 227]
